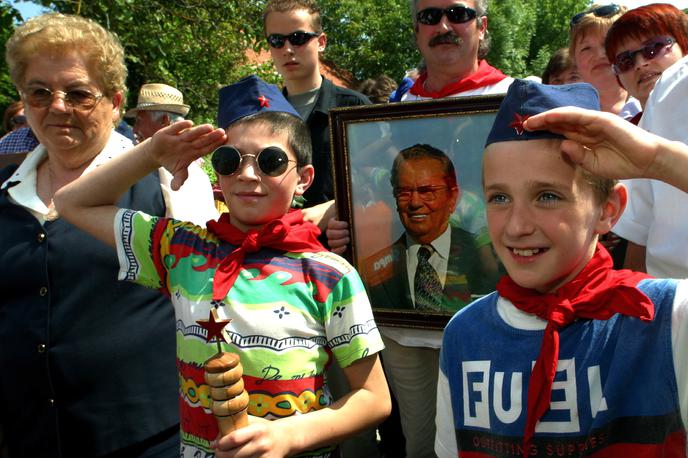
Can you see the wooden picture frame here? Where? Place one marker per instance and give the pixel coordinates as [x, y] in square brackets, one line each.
[365, 142]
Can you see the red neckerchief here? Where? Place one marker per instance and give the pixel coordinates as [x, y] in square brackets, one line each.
[288, 233]
[598, 292]
[486, 75]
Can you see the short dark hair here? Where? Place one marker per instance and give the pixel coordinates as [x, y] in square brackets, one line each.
[379, 89]
[559, 62]
[658, 19]
[420, 151]
[298, 135]
[285, 6]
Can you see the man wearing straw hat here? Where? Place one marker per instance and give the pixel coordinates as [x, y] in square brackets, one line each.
[158, 105]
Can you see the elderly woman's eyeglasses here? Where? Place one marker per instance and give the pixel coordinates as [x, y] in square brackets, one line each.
[655, 47]
[78, 99]
[601, 11]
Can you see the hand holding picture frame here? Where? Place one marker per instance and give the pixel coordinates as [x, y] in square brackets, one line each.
[408, 183]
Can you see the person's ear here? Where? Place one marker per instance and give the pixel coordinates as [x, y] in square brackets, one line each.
[612, 209]
[322, 42]
[117, 100]
[482, 26]
[306, 174]
[166, 121]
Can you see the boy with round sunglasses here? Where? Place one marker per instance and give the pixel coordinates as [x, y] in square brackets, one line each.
[568, 357]
[292, 306]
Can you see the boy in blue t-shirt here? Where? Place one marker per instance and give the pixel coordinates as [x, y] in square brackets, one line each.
[568, 357]
[292, 306]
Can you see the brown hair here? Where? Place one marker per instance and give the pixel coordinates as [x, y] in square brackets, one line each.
[590, 24]
[285, 6]
[56, 34]
[559, 62]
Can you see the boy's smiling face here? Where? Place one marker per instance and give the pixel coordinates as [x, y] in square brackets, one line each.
[255, 199]
[543, 216]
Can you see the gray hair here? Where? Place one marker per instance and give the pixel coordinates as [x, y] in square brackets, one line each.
[480, 8]
[157, 115]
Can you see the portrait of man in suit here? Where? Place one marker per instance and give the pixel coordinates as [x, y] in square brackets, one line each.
[435, 265]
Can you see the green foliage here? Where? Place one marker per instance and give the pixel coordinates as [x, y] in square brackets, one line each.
[194, 45]
[370, 37]
[525, 33]
[8, 17]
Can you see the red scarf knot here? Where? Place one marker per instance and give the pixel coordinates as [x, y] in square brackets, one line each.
[289, 233]
[597, 293]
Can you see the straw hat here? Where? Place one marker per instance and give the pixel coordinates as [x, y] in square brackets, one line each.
[159, 97]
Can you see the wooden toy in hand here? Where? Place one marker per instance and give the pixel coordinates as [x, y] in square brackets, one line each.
[223, 373]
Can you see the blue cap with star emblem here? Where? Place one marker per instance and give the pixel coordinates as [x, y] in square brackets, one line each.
[249, 96]
[527, 98]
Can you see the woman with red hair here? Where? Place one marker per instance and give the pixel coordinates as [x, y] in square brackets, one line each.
[643, 43]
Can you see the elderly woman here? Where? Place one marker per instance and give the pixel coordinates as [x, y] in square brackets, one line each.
[87, 362]
[586, 45]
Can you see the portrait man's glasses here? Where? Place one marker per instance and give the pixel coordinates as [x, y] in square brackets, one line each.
[426, 193]
[601, 11]
[625, 61]
[79, 99]
[272, 161]
[455, 14]
[297, 38]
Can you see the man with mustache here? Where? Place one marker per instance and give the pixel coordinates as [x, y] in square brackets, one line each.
[453, 39]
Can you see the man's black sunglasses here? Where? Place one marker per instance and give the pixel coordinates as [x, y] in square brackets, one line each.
[456, 15]
[298, 38]
[600, 11]
[272, 161]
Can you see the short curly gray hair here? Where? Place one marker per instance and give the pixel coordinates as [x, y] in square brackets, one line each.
[61, 34]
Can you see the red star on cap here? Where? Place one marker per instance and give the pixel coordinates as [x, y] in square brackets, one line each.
[214, 327]
[517, 123]
[264, 102]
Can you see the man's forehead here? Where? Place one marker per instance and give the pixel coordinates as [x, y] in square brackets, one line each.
[423, 170]
[422, 4]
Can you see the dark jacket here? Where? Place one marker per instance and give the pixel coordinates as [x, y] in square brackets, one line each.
[87, 362]
[329, 96]
[386, 276]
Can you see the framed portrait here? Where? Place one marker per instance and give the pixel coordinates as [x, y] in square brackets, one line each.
[408, 182]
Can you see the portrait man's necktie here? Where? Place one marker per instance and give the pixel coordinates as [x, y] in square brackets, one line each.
[427, 285]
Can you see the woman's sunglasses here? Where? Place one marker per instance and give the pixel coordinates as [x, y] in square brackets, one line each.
[601, 11]
[456, 15]
[297, 38]
[272, 161]
[625, 61]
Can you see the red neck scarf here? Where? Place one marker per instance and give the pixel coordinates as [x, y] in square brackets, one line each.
[288, 233]
[597, 292]
[486, 75]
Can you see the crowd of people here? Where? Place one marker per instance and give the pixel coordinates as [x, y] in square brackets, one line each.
[113, 250]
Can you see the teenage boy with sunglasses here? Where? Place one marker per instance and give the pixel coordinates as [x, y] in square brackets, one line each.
[296, 38]
[292, 304]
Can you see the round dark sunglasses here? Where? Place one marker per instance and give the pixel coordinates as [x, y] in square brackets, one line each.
[272, 161]
[455, 14]
[600, 11]
[625, 61]
[298, 38]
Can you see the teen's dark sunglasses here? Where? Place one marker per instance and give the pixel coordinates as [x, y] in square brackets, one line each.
[297, 38]
[625, 61]
[455, 14]
[601, 11]
[272, 161]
